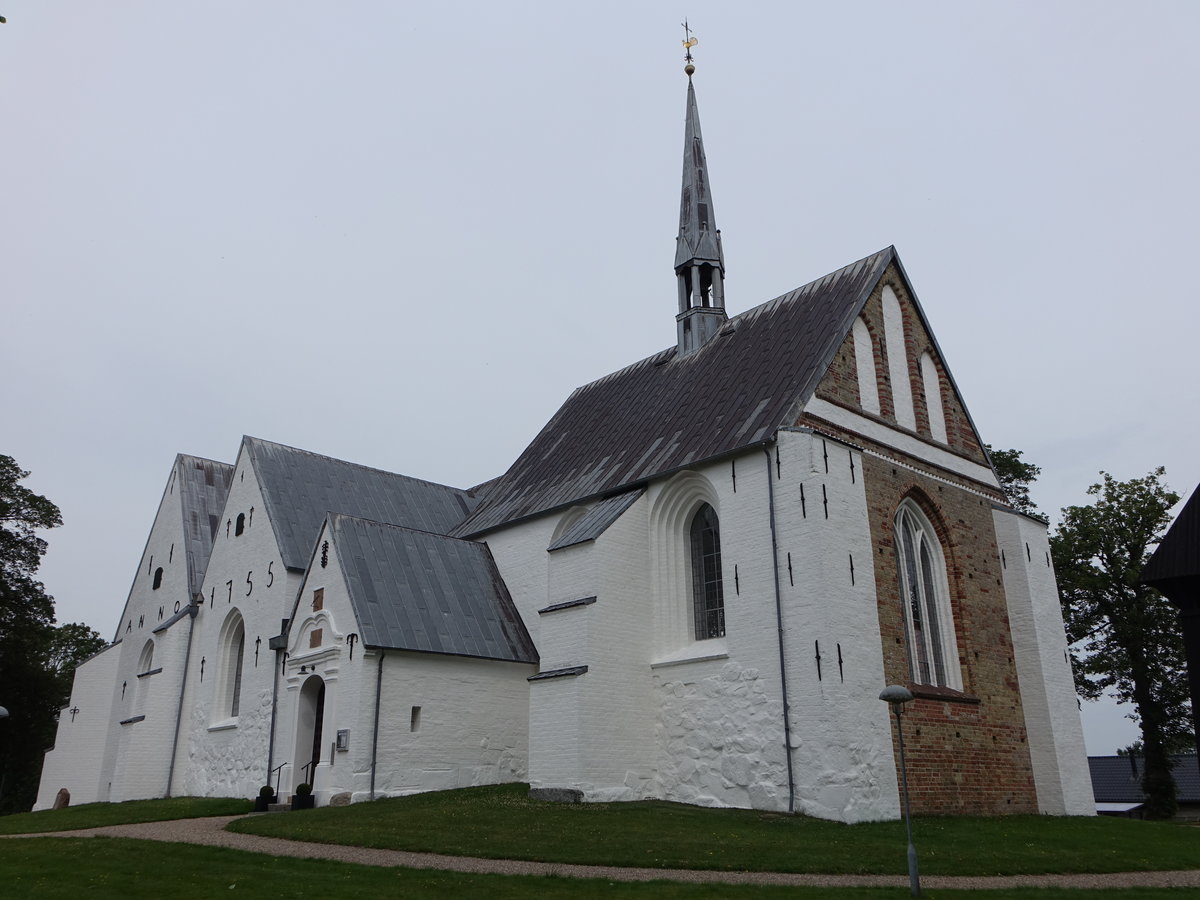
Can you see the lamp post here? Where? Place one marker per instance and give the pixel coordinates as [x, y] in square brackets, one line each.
[896, 696]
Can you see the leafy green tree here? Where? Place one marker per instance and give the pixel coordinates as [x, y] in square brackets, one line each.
[1016, 476]
[37, 659]
[1125, 636]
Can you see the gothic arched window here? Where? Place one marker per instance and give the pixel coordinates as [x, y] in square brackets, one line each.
[707, 594]
[240, 525]
[932, 650]
[158, 575]
[229, 685]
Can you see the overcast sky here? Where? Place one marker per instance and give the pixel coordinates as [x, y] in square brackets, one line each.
[401, 234]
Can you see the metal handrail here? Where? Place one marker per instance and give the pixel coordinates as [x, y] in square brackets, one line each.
[275, 771]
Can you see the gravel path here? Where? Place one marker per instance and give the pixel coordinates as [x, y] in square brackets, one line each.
[211, 832]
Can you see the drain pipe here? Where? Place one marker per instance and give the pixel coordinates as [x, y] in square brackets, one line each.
[787, 727]
[192, 609]
[375, 735]
[279, 645]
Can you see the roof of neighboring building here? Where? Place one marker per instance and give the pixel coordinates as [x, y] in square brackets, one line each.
[412, 590]
[300, 488]
[667, 411]
[1117, 779]
[1174, 568]
[203, 488]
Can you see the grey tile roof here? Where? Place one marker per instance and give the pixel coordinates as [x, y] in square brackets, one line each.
[203, 487]
[1174, 568]
[667, 412]
[412, 590]
[597, 520]
[1114, 781]
[300, 488]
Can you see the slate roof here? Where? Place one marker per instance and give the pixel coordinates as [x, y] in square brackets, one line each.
[300, 488]
[412, 590]
[667, 412]
[699, 240]
[1113, 779]
[1174, 568]
[597, 519]
[203, 487]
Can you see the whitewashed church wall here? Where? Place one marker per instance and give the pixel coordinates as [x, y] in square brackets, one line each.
[472, 728]
[719, 737]
[145, 609]
[222, 755]
[520, 555]
[1052, 722]
[841, 736]
[75, 761]
[617, 718]
[143, 745]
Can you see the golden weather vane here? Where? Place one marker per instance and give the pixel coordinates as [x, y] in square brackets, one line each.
[689, 41]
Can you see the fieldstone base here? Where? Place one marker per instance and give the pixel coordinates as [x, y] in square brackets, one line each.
[556, 795]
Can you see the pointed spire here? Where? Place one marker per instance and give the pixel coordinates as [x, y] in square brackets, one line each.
[699, 259]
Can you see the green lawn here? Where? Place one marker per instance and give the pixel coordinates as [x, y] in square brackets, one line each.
[101, 868]
[93, 815]
[501, 822]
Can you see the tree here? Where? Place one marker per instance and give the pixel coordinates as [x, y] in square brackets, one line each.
[1015, 478]
[1125, 636]
[37, 659]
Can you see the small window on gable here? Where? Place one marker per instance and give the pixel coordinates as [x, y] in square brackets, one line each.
[318, 599]
[707, 590]
[240, 525]
[933, 398]
[158, 573]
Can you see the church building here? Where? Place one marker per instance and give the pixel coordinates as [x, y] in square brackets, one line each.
[692, 585]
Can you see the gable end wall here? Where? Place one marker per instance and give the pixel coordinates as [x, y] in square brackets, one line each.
[840, 383]
[963, 758]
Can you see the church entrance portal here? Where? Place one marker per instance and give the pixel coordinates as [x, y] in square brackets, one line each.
[309, 719]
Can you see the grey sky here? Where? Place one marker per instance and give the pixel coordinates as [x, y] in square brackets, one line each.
[400, 234]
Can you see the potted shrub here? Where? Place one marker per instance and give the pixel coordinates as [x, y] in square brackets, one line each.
[303, 798]
[266, 796]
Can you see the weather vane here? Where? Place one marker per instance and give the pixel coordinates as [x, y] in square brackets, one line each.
[689, 41]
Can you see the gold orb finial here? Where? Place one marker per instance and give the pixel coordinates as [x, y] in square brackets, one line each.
[689, 41]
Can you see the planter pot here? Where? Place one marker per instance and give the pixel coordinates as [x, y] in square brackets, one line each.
[303, 801]
[261, 803]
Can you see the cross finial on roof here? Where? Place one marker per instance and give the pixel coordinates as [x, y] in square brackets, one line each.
[689, 41]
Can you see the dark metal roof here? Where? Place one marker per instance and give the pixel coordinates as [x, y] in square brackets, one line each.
[412, 590]
[597, 520]
[203, 488]
[699, 240]
[668, 411]
[300, 488]
[1174, 568]
[1114, 779]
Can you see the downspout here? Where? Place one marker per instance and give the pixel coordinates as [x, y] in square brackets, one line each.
[375, 735]
[279, 645]
[787, 727]
[187, 658]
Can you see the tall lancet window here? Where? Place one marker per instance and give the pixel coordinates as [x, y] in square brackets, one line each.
[933, 653]
[707, 592]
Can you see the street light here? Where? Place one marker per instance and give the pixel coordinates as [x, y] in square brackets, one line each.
[896, 696]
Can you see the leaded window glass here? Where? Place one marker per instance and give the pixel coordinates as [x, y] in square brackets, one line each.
[926, 610]
[707, 591]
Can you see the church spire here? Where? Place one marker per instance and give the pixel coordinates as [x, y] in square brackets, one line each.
[699, 260]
